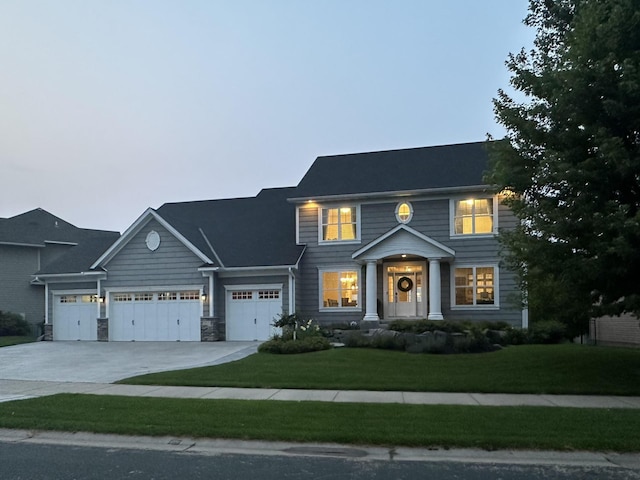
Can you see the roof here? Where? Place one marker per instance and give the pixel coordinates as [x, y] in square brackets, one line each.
[36, 227]
[243, 232]
[406, 170]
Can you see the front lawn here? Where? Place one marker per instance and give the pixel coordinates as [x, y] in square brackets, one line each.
[349, 423]
[552, 369]
[11, 340]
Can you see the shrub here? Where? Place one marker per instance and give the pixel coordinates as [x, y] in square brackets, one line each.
[547, 331]
[304, 345]
[12, 324]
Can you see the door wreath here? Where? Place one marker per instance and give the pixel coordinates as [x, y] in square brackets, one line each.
[405, 284]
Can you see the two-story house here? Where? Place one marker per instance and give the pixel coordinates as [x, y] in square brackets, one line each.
[363, 238]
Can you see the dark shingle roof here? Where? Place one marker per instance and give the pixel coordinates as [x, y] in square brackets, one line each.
[38, 226]
[412, 169]
[244, 232]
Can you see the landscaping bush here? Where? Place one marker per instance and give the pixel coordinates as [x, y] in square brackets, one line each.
[547, 331]
[303, 345]
[12, 324]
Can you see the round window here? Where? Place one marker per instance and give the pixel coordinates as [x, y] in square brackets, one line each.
[404, 212]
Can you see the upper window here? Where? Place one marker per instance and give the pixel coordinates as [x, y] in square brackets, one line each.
[339, 224]
[404, 212]
[473, 216]
[475, 286]
[339, 289]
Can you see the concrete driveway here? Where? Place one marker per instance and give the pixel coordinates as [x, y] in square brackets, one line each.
[107, 362]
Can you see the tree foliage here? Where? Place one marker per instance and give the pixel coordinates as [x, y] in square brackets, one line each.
[571, 157]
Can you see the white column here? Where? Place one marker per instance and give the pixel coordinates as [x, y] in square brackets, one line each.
[372, 293]
[435, 307]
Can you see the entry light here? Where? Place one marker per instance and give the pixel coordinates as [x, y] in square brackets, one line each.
[203, 297]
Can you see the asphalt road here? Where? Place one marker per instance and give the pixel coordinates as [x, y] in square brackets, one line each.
[34, 461]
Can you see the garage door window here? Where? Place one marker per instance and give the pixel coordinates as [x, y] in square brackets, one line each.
[89, 299]
[190, 295]
[122, 297]
[68, 299]
[144, 297]
[166, 296]
[268, 294]
[241, 295]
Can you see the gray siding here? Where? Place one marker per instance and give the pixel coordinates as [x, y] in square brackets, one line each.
[431, 217]
[17, 295]
[171, 264]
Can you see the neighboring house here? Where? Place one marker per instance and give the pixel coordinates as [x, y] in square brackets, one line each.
[32, 241]
[622, 331]
[366, 238]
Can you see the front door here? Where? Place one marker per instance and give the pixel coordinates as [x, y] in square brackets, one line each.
[404, 295]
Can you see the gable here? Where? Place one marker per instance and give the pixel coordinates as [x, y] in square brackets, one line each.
[403, 240]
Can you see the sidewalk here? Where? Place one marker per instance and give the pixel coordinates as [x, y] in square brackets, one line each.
[23, 389]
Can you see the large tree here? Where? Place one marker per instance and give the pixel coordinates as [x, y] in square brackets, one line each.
[571, 157]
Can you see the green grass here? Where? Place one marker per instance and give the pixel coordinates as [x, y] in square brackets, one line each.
[349, 423]
[552, 369]
[8, 341]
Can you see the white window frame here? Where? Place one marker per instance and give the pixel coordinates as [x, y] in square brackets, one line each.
[400, 220]
[452, 216]
[476, 306]
[339, 270]
[322, 241]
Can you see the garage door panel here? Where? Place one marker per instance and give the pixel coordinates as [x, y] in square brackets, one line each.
[156, 316]
[250, 314]
[75, 317]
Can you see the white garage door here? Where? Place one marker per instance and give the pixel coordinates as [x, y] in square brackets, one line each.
[251, 313]
[75, 317]
[155, 316]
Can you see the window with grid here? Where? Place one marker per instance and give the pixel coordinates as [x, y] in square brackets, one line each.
[68, 299]
[339, 289]
[241, 295]
[339, 224]
[474, 286]
[122, 297]
[193, 295]
[473, 216]
[268, 294]
[166, 296]
[143, 297]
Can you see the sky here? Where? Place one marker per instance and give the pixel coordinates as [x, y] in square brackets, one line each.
[110, 107]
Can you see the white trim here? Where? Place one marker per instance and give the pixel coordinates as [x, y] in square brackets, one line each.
[452, 216]
[446, 251]
[77, 291]
[496, 286]
[46, 305]
[53, 242]
[426, 281]
[254, 286]
[340, 269]
[136, 227]
[398, 193]
[297, 224]
[18, 244]
[356, 240]
[60, 277]
[206, 239]
[408, 204]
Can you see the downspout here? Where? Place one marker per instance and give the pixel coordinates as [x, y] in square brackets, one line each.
[46, 302]
[212, 311]
[292, 291]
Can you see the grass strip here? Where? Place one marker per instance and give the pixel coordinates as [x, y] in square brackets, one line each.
[551, 369]
[15, 340]
[348, 423]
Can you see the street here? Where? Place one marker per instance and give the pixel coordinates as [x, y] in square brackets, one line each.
[40, 461]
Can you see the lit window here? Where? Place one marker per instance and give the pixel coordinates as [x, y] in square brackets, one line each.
[339, 289]
[89, 299]
[339, 224]
[404, 212]
[167, 296]
[474, 286]
[473, 216]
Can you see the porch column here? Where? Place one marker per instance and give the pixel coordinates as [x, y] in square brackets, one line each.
[435, 308]
[371, 289]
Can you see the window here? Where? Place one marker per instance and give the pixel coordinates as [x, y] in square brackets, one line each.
[143, 297]
[475, 286]
[166, 296]
[473, 216]
[268, 294]
[122, 297]
[89, 299]
[404, 212]
[339, 289]
[193, 295]
[68, 299]
[241, 295]
[339, 224]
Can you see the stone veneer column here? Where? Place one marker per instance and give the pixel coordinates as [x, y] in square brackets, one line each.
[435, 306]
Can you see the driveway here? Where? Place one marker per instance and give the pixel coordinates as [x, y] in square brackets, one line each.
[107, 362]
